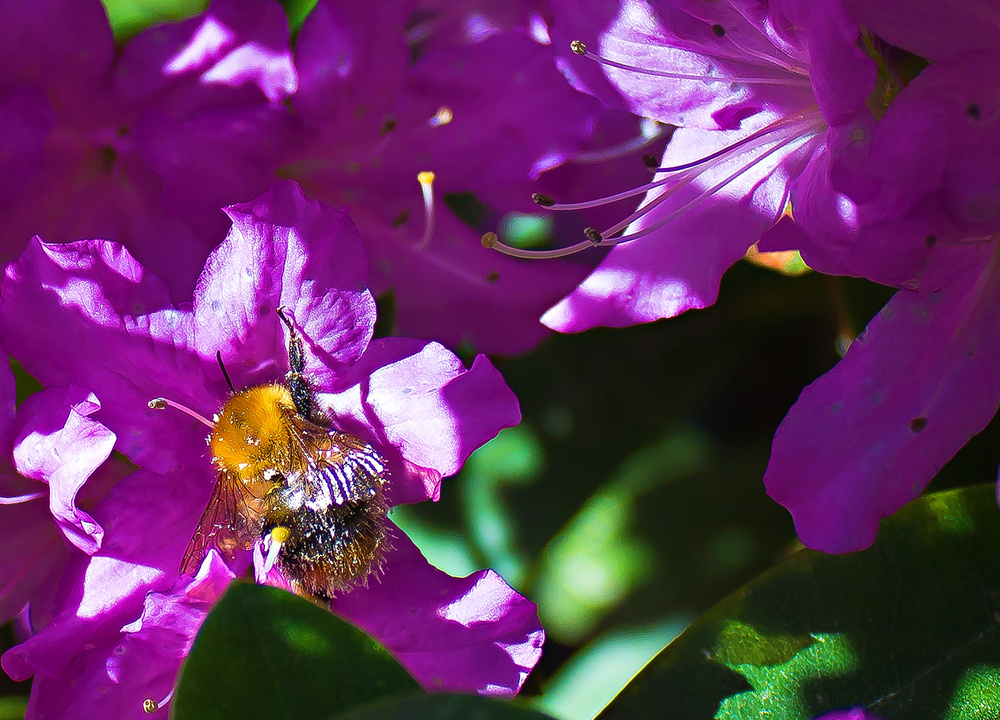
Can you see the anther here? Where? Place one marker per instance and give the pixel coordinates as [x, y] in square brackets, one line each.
[593, 235]
[651, 161]
[426, 180]
[443, 116]
[543, 200]
[163, 404]
[490, 240]
[150, 706]
[578, 47]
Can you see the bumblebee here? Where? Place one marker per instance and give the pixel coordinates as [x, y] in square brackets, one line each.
[314, 495]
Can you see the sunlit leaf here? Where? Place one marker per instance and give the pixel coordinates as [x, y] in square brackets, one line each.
[909, 628]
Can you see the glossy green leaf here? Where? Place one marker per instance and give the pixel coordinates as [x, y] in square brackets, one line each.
[265, 653]
[441, 707]
[909, 629]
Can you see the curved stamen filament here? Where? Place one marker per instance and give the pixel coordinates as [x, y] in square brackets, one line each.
[649, 132]
[797, 128]
[163, 404]
[580, 48]
[150, 706]
[426, 180]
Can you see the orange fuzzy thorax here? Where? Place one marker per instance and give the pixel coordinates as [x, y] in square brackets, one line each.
[251, 434]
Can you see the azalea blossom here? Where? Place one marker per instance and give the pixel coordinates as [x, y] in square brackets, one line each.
[429, 126]
[143, 144]
[126, 617]
[867, 437]
[759, 92]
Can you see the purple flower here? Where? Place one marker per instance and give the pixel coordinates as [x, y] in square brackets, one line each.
[126, 618]
[761, 92]
[56, 447]
[473, 106]
[855, 713]
[867, 437]
[145, 145]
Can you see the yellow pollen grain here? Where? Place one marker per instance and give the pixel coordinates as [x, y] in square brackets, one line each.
[280, 534]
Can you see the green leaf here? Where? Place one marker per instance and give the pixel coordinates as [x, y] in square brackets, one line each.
[909, 628]
[130, 17]
[13, 708]
[441, 707]
[265, 653]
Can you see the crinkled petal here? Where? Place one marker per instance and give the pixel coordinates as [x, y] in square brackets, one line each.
[473, 634]
[867, 437]
[60, 445]
[149, 519]
[420, 400]
[285, 251]
[112, 678]
[129, 344]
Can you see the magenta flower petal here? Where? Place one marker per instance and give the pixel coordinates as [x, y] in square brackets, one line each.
[115, 674]
[867, 437]
[472, 634]
[107, 589]
[280, 248]
[32, 554]
[856, 713]
[60, 445]
[52, 287]
[427, 406]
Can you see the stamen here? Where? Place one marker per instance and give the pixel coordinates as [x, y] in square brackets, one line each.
[426, 180]
[779, 134]
[150, 706]
[278, 536]
[443, 116]
[580, 48]
[649, 132]
[163, 404]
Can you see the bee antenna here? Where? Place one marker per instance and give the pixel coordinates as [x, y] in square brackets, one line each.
[225, 374]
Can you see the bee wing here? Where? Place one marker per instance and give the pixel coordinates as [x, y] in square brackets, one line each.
[232, 521]
[339, 467]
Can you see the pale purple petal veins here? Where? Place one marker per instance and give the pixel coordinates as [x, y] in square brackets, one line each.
[697, 227]
[129, 344]
[867, 437]
[472, 634]
[57, 443]
[419, 400]
[285, 250]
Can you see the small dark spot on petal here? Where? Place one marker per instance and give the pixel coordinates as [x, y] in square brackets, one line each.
[264, 310]
[718, 30]
[387, 127]
[918, 424]
[107, 157]
[930, 240]
[492, 277]
[972, 110]
[401, 219]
